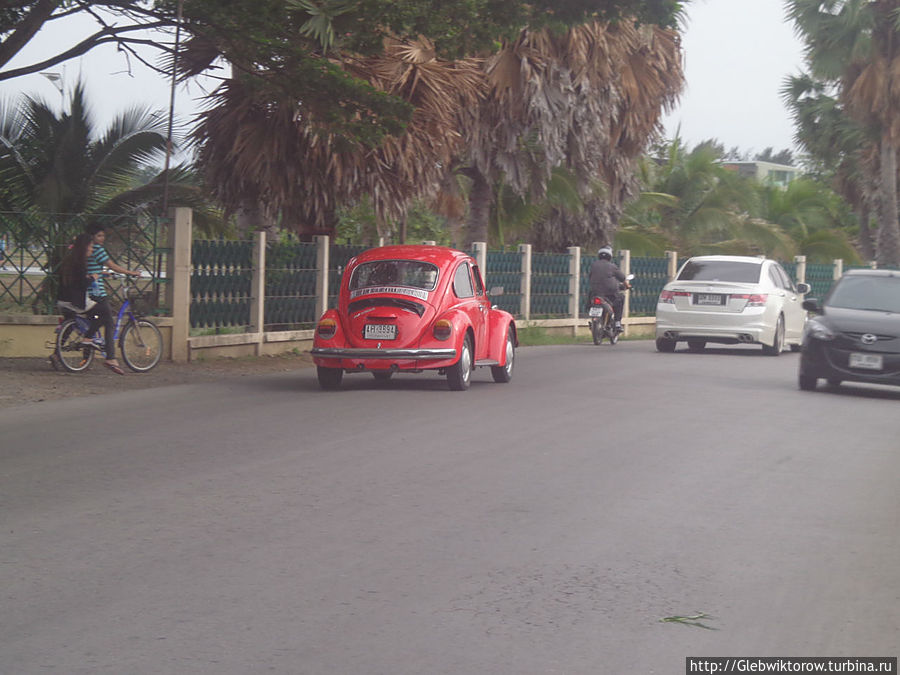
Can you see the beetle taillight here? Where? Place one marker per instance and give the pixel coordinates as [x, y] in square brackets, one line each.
[326, 329]
[442, 329]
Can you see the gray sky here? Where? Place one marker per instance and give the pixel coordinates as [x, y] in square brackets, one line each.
[737, 56]
[737, 53]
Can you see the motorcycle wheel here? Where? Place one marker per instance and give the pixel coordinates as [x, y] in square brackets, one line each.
[596, 331]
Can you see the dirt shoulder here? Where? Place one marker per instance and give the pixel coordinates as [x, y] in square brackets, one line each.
[28, 380]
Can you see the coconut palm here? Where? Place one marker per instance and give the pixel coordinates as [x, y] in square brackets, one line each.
[813, 216]
[64, 165]
[692, 204]
[59, 171]
[855, 44]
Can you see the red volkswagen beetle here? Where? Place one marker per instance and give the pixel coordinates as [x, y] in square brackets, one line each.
[409, 309]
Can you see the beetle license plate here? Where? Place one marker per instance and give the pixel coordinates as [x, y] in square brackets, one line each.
[380, 331]
[866, 361]
[709, 299]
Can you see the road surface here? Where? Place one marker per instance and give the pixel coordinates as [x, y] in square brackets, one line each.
[549, 525]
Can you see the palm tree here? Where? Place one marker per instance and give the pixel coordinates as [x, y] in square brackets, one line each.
[588, 100]
[855, 44]
[276, 158]
[58, 172]
[814, 217]
[692, 204]
[843, 152]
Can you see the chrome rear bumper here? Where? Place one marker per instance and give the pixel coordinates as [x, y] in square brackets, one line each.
[348, 353]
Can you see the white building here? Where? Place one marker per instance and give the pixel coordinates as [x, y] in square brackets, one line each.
[766, 172]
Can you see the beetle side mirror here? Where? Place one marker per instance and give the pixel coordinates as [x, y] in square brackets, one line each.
[811, 305]
[496, 290]
[803, 289]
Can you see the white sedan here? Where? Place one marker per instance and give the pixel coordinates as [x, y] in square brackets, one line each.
[731, 300]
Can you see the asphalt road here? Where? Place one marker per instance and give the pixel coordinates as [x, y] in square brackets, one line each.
[544, 526]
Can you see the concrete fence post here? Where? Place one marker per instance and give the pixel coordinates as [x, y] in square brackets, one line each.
[838, 268]
[672, 257]
[574, 283]
[258, 289]
[323, 250]
[479, 252]
[525, 288]
[625, 259]
[178, 291]
[800, 260]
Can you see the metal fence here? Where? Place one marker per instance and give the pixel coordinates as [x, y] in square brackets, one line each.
[222, 273]
[32, 246]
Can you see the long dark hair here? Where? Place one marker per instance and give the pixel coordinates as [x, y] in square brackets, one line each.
[73, 268]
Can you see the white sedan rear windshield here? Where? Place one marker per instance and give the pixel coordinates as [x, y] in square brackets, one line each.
[878, 294]
[410, 273]
[720, 270]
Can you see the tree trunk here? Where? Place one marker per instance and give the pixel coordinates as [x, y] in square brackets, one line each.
[479, 208]
[888, 249]
[866, 245]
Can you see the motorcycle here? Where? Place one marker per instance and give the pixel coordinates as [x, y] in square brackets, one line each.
[603, 324]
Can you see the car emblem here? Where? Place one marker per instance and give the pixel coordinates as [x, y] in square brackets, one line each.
[869, 339]
[379, 345]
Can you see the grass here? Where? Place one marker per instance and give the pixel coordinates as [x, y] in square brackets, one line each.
[533, 336]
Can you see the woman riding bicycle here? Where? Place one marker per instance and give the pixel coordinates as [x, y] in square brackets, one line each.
[99, 259]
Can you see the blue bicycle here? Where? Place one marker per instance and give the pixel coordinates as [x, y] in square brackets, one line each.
[139, 339]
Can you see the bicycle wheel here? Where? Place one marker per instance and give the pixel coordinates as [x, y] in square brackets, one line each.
[141, 345]
[72, 355]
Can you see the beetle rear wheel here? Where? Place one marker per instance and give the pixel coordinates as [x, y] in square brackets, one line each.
[330, 378]
[141, 345]
[71, 354]
[459, 375]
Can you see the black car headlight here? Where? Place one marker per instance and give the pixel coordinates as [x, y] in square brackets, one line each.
[818, 331]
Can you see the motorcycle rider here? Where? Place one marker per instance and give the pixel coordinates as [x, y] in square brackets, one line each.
[606, 280]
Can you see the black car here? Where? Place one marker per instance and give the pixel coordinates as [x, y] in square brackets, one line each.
[855, 333]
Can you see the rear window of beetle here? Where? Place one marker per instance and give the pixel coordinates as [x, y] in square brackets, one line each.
[720, 270]
[409, 273]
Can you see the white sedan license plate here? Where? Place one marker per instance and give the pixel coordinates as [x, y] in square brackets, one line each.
[709, 299]
[380, 331]
[866, 361]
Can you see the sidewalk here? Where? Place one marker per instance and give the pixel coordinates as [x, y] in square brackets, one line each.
[31, 380]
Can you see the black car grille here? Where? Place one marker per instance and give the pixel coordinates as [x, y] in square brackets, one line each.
[883, 341]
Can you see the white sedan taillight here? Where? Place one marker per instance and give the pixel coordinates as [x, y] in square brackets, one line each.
[669, 296]
[753, 299]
